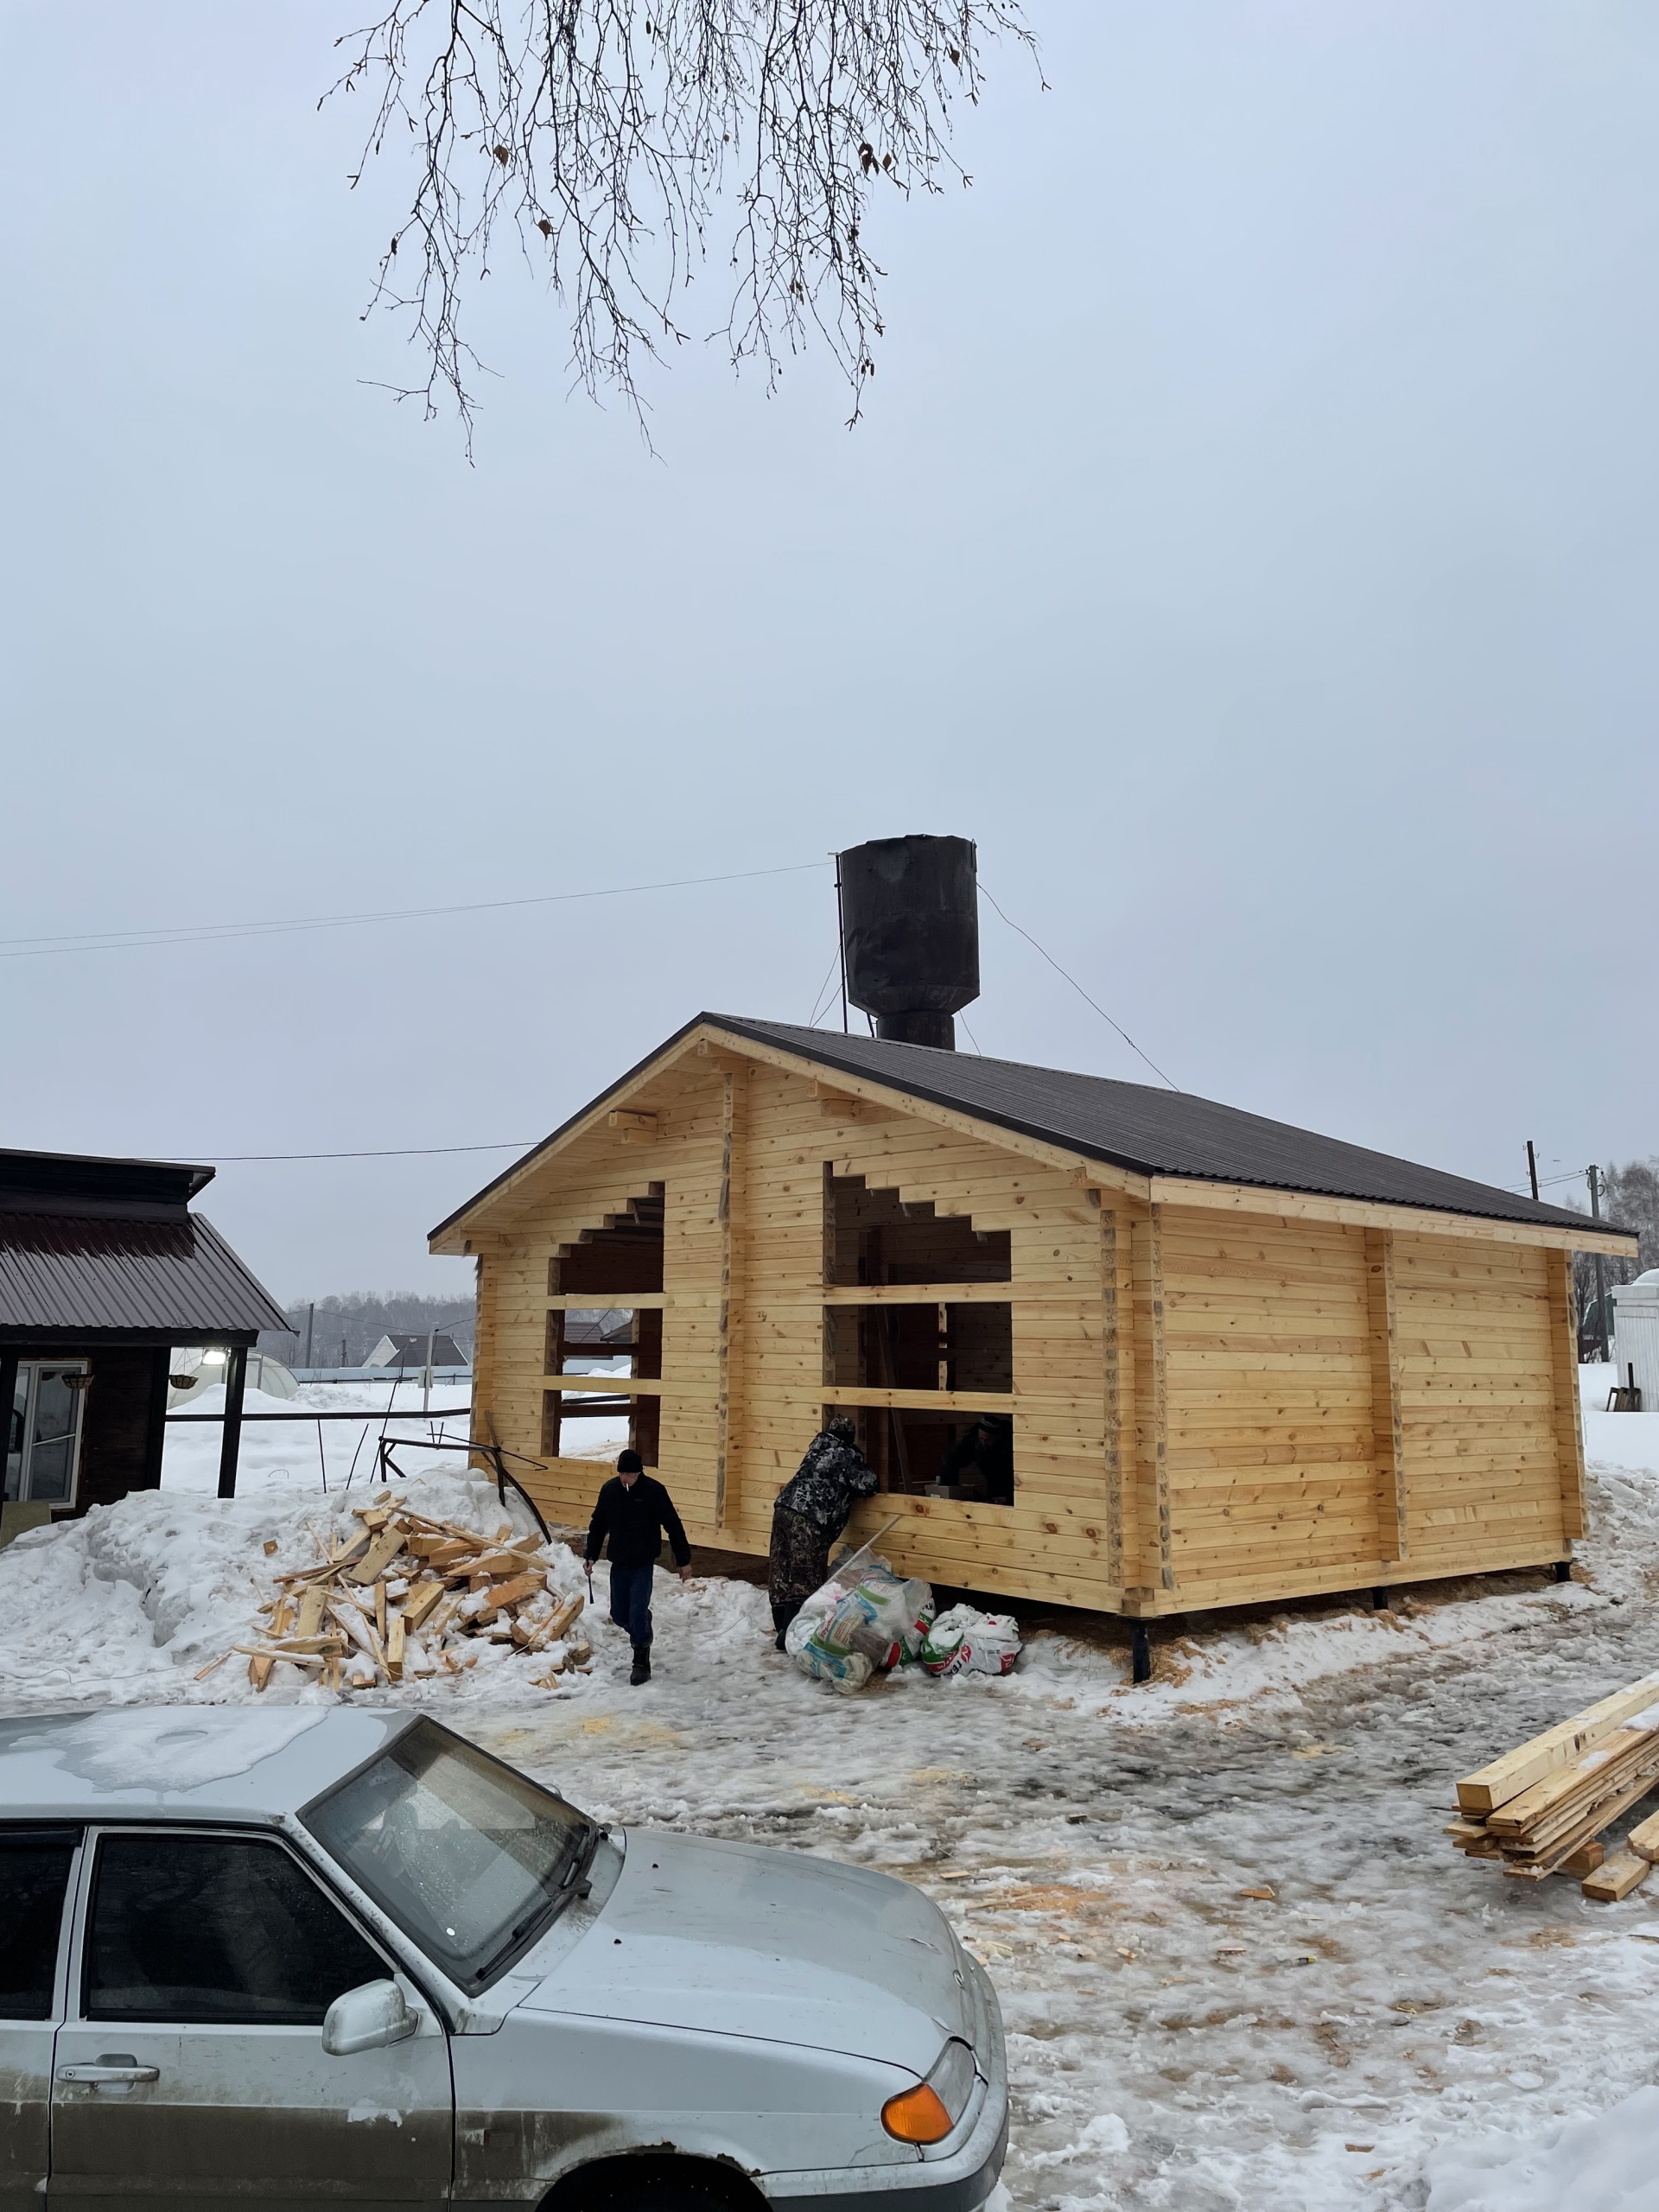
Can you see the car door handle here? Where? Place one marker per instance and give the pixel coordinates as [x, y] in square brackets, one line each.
[127, 2072]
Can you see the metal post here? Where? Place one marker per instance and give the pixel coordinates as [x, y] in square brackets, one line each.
[1532, 1170]
[426, 1373]
[236, 1384]
[1140, 1652]
[310, 1326]
[841, 945]
[1592, 1176]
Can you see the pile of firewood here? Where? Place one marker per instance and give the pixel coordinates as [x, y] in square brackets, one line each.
[1541, 1809]
[407, 1597]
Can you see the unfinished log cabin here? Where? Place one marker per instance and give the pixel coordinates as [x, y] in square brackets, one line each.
[1238, 1362]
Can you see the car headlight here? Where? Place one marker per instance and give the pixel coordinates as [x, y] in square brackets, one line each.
[929, 2112]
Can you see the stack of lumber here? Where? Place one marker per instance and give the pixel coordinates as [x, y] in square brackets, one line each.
[1541, 1809]
[404, 1596]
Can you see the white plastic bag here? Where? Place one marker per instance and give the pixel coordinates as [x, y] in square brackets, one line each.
[966, 1641]
[878, 1621]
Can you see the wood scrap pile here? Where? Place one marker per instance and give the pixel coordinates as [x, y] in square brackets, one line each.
[1541, 1809]
[405, 1597]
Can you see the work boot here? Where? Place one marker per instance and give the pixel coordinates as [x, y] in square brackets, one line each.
[781, 1617]
[641, 1664]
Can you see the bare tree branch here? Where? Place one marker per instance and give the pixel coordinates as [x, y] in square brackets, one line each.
[613, 134]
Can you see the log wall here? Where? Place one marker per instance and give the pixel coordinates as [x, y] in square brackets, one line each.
[1210, 1407]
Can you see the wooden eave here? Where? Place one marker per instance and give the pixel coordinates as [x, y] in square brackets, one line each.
[484, 1223]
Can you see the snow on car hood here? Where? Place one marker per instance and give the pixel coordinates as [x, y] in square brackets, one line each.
[735, 1938]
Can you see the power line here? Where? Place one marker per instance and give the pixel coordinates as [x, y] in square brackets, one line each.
[33, 948]
[397, 1151]
[1084, 995]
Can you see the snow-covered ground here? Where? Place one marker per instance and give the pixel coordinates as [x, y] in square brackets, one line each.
[330, 1455]
[1240, 1965]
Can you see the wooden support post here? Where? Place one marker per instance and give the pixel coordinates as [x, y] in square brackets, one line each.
[1140, 1652]
[1388, 1435]
[236, 1384]
[155, 1418]
[8, 1406]
[723, 1383]
[1118, 1353]
[1151, 1401]
[1563, 1360]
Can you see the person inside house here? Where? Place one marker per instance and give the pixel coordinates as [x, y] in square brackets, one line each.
[980, 1465]
[810, 1512]
[632, 1515]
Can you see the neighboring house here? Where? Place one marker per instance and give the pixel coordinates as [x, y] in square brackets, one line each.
[1240, 1362]
[104, 1269]
[408, 1349]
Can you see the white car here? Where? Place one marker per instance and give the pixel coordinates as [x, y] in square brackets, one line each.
[340, 1956]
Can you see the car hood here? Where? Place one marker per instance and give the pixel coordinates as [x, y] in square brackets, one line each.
[736, 1939]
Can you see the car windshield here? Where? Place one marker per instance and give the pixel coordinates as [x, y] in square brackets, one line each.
[470, 1859]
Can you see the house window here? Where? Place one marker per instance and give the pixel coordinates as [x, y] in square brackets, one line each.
[43, 1436]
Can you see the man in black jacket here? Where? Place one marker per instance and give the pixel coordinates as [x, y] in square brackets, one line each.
[632, 1512]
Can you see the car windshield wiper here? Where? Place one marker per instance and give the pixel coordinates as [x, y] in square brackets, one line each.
[582, 1861]
[543, 1913]
[552, 1902]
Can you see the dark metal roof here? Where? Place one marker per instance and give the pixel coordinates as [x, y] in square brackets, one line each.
[73, 1183]
[69, 1272]
[1128, 1125]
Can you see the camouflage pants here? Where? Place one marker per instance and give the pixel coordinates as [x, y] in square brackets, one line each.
[798, 1561]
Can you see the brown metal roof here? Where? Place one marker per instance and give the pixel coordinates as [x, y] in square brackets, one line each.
[74, 1182]
[73, 1272]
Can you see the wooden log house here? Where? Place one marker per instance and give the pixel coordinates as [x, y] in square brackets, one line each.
[1242, 1362]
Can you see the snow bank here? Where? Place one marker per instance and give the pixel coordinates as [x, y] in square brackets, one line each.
[1602, 2162]
[128, 1605]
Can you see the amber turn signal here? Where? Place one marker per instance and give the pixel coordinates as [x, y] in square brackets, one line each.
[917, 2116]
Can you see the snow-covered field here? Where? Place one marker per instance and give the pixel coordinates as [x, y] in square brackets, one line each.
[326, 1455]
[1389, 2026]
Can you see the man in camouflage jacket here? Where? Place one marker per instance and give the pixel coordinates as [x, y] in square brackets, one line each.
[810, 1512]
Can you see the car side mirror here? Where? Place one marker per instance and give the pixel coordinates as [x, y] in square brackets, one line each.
[368, 2019]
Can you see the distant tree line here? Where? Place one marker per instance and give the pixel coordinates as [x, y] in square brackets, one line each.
[1629, 1200]
[346, 1327]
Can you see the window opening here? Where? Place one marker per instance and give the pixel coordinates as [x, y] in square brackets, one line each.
[621, 1256]
[43, 1430]
[872, 1237]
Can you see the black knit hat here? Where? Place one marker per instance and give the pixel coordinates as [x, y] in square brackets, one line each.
[630, 1464]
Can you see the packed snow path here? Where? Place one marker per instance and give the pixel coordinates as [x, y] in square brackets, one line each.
[1392, 2026]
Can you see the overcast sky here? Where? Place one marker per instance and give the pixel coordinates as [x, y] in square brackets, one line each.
[1251, 541]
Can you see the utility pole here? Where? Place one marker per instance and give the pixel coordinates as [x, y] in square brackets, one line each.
[1593, 1177]
[1532, 1170]
[310, 1327]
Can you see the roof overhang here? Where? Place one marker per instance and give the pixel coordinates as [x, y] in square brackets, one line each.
[484, 1224]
